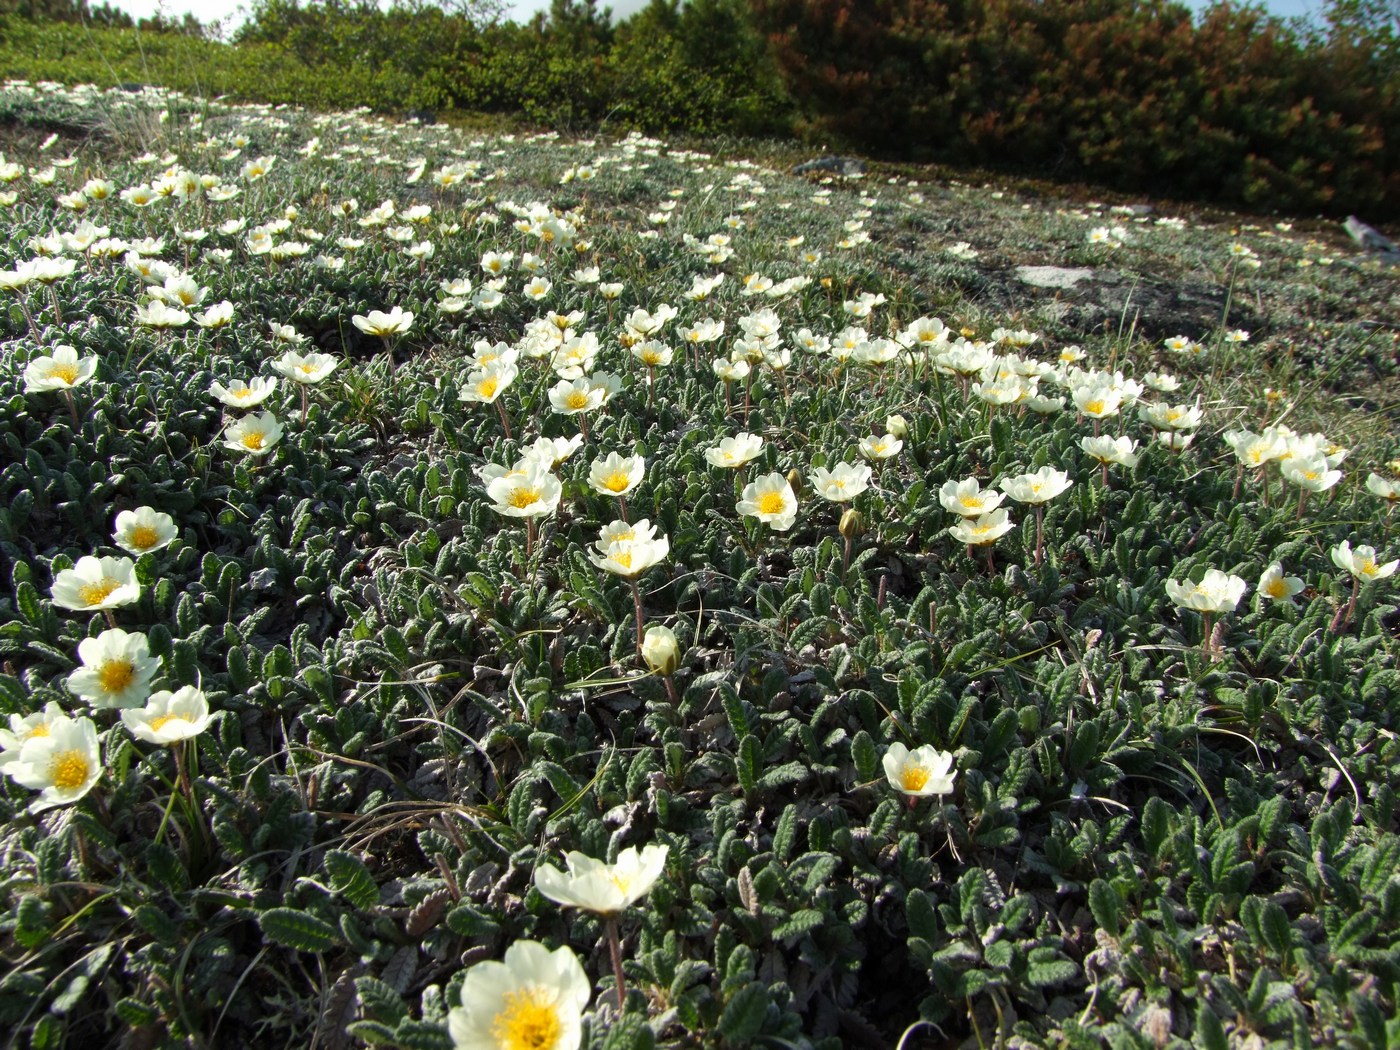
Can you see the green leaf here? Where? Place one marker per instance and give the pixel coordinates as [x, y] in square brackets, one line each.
[787, 773]
[1210, 1033]
[744, 1014]
[466, 921]
[785, 835]
[919, 914]
[630, 1032]
[418, 1035]
[865, 757]
[298, 930]
[351, 879]
[800, 923]
[1106, 907]
[1050, 972]
[748, 762]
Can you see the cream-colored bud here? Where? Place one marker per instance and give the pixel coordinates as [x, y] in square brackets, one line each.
[852, 523]
[897, 426]
[661, 651]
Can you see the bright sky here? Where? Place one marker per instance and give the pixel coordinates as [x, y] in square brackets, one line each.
[522, 10]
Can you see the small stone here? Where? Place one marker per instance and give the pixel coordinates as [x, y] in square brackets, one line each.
[1053, 276]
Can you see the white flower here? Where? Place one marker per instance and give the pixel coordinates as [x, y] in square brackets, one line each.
[485, 385]
[255, 435]
[921, 772]
[734, 451]
[630, 557]
[880, 447]
[377, 322]
[95, 584]
[1216, 592]
[531, 493]
[1039, 487]
[169, 717]
[23, 727]
[1170, 417]
[843, 482]
[572, 397]
[1106, 449]
[1309, 472]
[616, 475]
[1274, 585]
[984, 529]
[307, 369]
[770, 499]
[601, 887]
[63, 763]
[61, 370]
[143, 530]
[968, 499]
[1361, 562]
[244, 395]
[1382, 487]
[116, 670]
[217, 316]
[156, 314]
[533, 1000]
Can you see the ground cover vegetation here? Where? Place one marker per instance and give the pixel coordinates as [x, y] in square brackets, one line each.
[1238, 106]
[451, 580]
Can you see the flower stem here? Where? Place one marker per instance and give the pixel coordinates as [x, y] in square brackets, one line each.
[1039, 531]
[504, 421]
[637, 608]
[615, 950]
[73, 411]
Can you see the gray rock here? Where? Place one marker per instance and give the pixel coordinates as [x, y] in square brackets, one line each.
[1053, 276]
[1372, 239]
[847, 166]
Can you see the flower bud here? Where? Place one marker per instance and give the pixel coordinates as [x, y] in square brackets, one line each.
[794, 480]
[852, 523]
[661, 651]
[897, 426]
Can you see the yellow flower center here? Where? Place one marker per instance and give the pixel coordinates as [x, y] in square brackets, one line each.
[143, 537]
[1368, 567]
[523, 497]
[68, 770]
[623, 558]
[253, 440]
[240, 392]
[116, 675]
[651, 357]
[1093, 408]
[878, 447]
[160, 721]
[42, 729]
[771, 503]
[66, 372]
[1277, 588]
[617, 481]
[96, 593]
[1172, 415]
[528, 1021]
[576, 400]
[487, 387]
[306, 369]
[970, 502]
[1311, 475]
[981, 530]
[913, 778]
